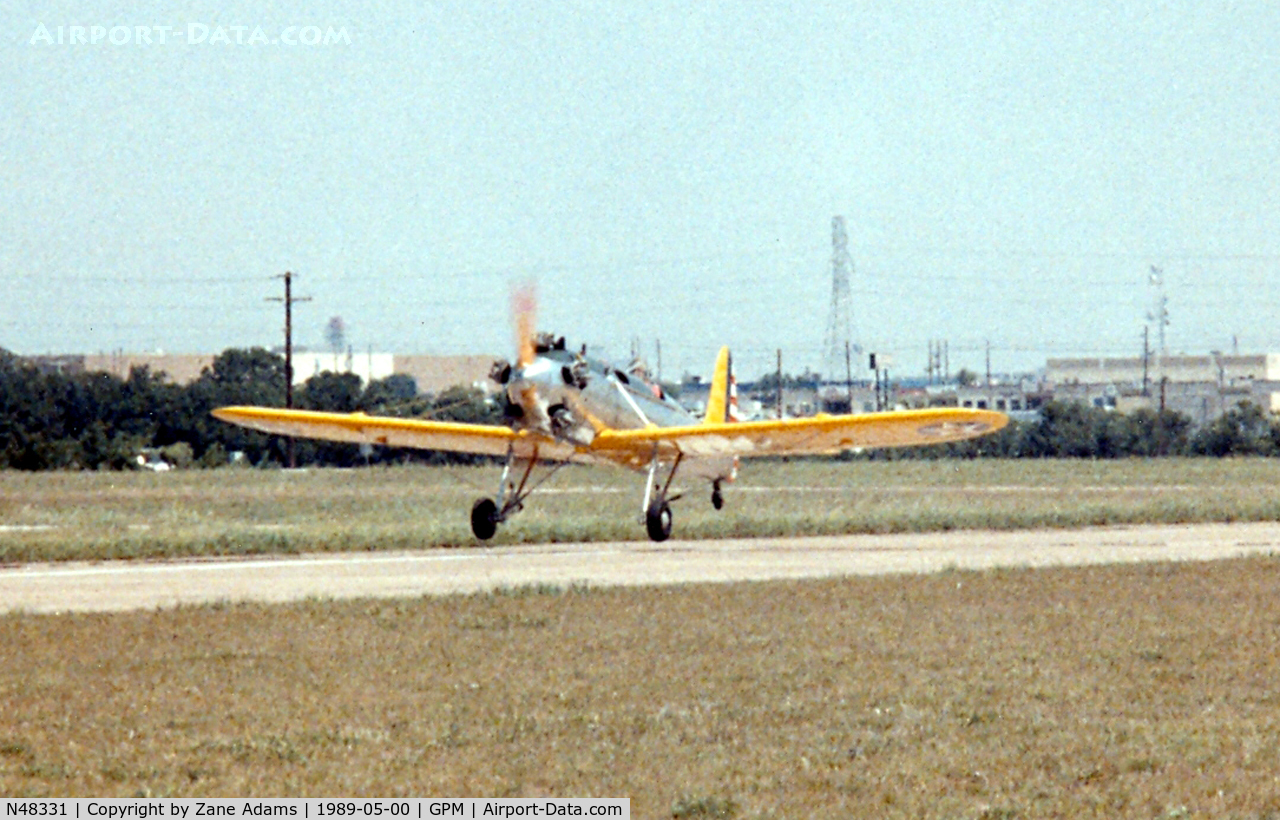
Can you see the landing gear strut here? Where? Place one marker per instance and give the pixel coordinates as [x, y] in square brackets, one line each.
[657, 512]
[487, 514]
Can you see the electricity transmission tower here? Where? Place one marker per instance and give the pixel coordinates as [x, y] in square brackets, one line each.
[840, 324]
[1159, 314]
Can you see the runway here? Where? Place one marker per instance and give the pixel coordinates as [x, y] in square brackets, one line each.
[113, 586]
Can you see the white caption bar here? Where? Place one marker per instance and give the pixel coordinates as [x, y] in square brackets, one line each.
[114, 808]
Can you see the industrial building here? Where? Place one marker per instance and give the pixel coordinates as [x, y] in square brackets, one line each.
[1200, 387]
[432, 374]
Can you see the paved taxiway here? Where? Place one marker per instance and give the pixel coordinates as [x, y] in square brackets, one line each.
[134, 585]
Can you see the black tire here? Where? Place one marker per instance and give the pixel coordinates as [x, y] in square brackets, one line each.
[658, 521]
[717, 497]
[484, 518]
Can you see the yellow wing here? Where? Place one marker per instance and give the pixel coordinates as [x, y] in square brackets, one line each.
[815, 435]
[357, 428]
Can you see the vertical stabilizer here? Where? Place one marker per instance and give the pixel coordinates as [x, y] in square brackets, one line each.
[721, 382]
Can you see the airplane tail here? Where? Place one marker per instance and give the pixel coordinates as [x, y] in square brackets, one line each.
[722, 406]
[722, 401]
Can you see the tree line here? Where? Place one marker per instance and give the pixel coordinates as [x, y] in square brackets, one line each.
[1077, 430]
[97, 420]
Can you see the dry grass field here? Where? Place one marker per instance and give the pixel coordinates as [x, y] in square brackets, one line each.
[55, 516]
[1139, 691]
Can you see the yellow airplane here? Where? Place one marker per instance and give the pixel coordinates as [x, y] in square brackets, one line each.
[563, 407]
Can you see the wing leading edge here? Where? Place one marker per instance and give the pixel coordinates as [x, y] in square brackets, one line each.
[807, 436]
[357, 428]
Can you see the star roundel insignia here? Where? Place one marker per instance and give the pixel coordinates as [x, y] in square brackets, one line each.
[950, 429]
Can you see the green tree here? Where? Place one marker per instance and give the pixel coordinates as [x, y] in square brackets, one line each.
[235, 376]
[466, 404]
[19, 400]
[1157, 432]
[1065, 430]
[1244, 430]
[332, 392]
[381, 395]
[252, 376]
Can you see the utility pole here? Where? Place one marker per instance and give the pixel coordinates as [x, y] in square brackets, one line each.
[937, 370]
[990, 399]
[779, 382]
[871, 363]
[1146, 358]
[288, 348]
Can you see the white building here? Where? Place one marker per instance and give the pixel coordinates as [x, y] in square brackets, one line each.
[368, 366]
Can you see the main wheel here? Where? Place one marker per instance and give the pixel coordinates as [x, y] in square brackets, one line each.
[717, 497]
[658, 521]
[484, 518]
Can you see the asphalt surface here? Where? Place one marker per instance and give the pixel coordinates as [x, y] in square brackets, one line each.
[108, 586]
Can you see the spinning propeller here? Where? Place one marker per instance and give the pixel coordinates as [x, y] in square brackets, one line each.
[524, 314]
[539, 392]
[524, 392]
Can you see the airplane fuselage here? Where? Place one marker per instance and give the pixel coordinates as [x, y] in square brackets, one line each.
[571, 398]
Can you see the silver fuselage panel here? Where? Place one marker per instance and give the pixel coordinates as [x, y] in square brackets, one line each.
[570, 398]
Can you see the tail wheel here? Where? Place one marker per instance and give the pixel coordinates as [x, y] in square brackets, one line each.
[484, 518]
[658, 521]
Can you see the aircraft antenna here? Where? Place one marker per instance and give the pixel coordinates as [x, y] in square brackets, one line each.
[840, 323]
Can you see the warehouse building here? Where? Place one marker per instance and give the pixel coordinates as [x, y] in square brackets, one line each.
[1200, 387]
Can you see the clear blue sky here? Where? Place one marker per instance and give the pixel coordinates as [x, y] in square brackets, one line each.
[1009, 172]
